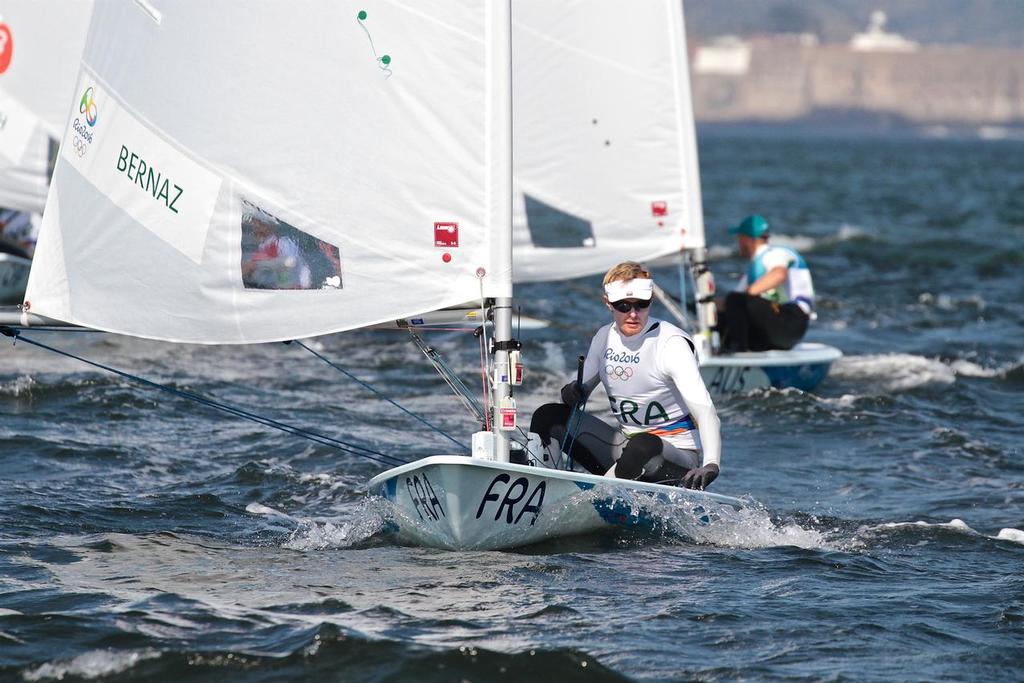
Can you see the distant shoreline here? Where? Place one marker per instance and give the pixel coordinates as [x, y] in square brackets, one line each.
[864, 125]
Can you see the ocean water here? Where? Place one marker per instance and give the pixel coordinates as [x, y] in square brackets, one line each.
[147, 537]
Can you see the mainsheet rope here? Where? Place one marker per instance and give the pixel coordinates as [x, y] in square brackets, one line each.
[322, 439]
[379, 394]
[571, 432]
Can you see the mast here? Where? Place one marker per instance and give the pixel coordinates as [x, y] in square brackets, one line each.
[504, 415]
[695, 254]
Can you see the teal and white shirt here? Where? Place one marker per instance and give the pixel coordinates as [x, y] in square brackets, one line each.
[654, 386]
[798, 287]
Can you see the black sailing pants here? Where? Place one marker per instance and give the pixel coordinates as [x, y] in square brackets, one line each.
[752, 323]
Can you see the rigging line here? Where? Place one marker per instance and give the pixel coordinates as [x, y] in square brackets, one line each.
[573, 426]
[322, 439]
[483, 383]
[485, 367]
[450, 376]
[519, 335]
[453, 381]
[379, 394]
[384, 61]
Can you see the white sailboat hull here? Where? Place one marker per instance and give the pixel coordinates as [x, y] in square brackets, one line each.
[802, 367]
[13, 278]
[463, 503]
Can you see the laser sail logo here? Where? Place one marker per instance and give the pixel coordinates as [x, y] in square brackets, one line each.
[6, 47]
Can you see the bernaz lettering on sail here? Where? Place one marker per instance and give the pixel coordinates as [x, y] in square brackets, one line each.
[148, 178]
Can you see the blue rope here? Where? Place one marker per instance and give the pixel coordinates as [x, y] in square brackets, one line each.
[367, 386]
[572, 430]
[322, 439]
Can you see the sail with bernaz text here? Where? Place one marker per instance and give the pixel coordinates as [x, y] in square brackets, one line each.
[272, 171]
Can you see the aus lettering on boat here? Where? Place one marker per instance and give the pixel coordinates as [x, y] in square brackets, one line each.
[144, 176]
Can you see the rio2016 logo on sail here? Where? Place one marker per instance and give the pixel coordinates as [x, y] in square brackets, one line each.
[87, 106]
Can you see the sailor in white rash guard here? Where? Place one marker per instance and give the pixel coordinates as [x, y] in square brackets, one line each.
[668, 429]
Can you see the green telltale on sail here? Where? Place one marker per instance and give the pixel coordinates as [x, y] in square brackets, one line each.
[386, 59]
[362, 15]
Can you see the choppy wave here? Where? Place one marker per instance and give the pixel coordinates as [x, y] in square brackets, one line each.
[148, 538]
[945, 302]
[320, 534]
[90, 665]
[894, 371]
[904, 371]
[753, 527]
[956, 526]
[802, 243]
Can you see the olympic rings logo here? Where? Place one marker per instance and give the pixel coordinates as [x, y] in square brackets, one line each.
[88, 106]
[81, 147]
[618, 372]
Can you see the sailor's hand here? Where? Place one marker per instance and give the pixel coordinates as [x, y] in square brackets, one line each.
[573, 394]
[701, 477]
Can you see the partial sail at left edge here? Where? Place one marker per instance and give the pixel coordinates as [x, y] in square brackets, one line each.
[265, 172]
[39, 57]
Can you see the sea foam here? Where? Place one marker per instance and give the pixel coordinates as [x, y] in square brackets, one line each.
[94, 664]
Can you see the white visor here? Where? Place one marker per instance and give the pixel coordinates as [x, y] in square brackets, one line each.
[641, 288]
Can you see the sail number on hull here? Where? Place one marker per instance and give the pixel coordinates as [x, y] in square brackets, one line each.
[427, 505]
[512, 499]
[729, 380]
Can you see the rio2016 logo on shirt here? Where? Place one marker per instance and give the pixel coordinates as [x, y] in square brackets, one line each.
[621, 357]
[88, 106]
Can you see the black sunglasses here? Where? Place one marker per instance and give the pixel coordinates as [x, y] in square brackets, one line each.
[627, 306]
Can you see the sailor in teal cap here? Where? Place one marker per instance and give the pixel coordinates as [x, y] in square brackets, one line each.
[773, 303]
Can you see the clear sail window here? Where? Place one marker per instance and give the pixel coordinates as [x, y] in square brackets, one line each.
[276, 255]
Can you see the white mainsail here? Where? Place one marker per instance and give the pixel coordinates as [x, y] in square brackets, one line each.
[40, 49]
[259, 171]
[605, 150]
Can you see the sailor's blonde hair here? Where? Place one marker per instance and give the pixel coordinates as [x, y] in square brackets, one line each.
[627, 270]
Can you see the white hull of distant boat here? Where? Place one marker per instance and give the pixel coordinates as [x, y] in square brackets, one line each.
[802, 367]
[465, 503]
[13, 278]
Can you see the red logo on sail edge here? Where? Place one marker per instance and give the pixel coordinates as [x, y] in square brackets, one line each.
[446, 235]
[6, 47]
[659, 208]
